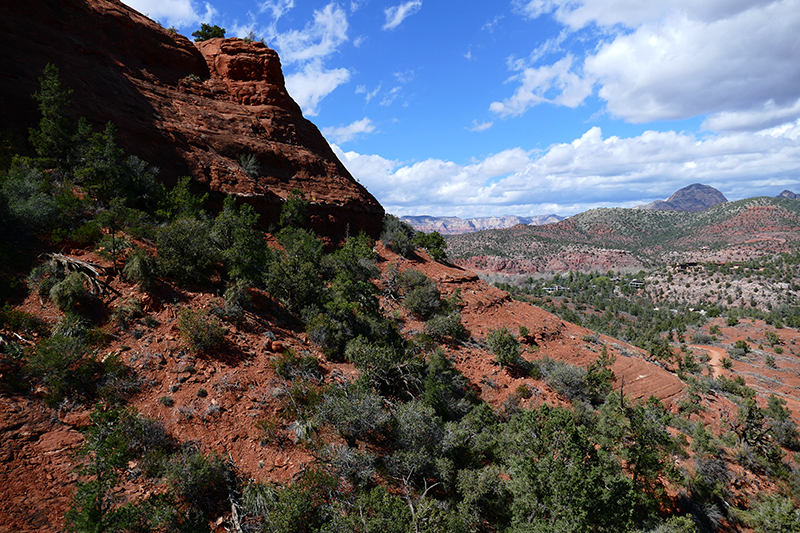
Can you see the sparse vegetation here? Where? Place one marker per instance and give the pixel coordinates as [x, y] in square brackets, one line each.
[401, 440]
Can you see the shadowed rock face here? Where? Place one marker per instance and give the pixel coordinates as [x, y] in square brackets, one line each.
[187, 108]
[695, 197]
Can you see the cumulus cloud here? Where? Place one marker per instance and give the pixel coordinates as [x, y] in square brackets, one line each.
[591, 171]
[180, 13]
[669, 59]
[343, 134]
[537, 84]
[304, 52]
[397, 14]
[313, 83]
[318, 39]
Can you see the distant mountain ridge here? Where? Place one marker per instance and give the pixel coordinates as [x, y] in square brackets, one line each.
[617, 238]
[458, 226]
[789, 194]
[695, 197]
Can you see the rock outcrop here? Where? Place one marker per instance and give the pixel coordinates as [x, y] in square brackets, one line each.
[187, 108]
[789, 194]
[695, 197]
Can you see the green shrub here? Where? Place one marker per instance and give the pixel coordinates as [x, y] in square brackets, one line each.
[434, 243]
[442, 326]
[205, 483]
[565, 379]
[207, 31]
[420, 294]
[774, 514]
[289, 365]
[20, 321]
[355, 411]
[68, 293]
[201, 330]
[505, 347]
[701, 338]
[250, 165]
[140, 268]
[184, 250]
[398, 236]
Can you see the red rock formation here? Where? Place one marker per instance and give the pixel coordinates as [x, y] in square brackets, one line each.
[188, 108]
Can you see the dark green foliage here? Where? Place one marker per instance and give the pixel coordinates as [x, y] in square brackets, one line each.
[442, 326]
[294, 211]
[289, 365]
[417, 436]
[207, 31]
[505, 347]
[301, 507]
[446, 389]
[391, 368]
[420, 294]
[774, 514]
[140, 268]
[103, 168]
[560, 480]
[241, 246]
[398, 236]
[184, 250]
[68, 371]
[201, 330]
[780, 425]
[638, 434]
[52, 140]
[250, 165]
[202, 482]
[31, 197]
[354, 410]
[116, 437]
[64, 367]
[294, 275]
[600, 377]
[180, 202]
[434, 243]
[20, 321]
[70, 292]
[565, 379]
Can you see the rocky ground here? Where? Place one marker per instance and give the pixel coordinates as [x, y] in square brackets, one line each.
[240, 387]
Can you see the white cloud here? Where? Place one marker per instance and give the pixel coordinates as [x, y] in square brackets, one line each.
[766, 115]
[483, 126]
[303, 52]
[669, 59]
[397, 14]
[591, 171]
[313, 83]
[180, 13]
[343, 134]
[555, 84]
[391, 96]
[318, 39]
[368, 95]
[276, 8]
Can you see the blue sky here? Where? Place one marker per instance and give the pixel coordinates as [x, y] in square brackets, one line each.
[476, 108]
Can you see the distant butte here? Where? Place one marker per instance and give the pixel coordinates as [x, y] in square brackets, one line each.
[695, 197]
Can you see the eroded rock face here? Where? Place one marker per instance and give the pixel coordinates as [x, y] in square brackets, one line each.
[187, 108]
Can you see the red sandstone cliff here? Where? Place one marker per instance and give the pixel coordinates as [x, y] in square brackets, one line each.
[187, 108]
